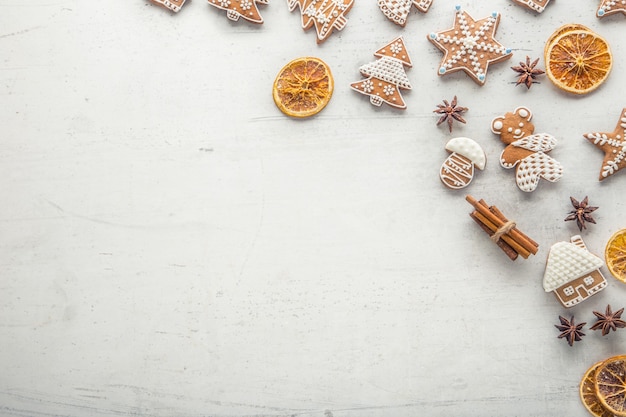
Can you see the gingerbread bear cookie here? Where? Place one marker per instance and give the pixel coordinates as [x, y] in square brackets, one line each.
[526, 151]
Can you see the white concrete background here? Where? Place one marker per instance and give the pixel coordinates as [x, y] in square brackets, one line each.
[173, 245]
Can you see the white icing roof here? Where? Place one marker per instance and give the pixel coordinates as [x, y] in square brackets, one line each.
[567, 262]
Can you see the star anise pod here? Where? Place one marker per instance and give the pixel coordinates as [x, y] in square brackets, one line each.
[609, 320]
[581, 213]
[450, 112]
[527, 72]
[569, 330]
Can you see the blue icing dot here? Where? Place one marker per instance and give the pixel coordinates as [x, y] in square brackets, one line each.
[433, 35]
[600, 12]
[458, 7]
[481, 77]
[494, 14]
[442, 70]
[508, 50]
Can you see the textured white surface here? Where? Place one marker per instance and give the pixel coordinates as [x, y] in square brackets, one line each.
[567, 262]
[172, 245]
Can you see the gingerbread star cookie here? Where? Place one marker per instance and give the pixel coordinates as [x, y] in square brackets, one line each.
[613, 144]
[609, 7]
[470, 45]
[398, 10]
[325, 15]
[535, 5]
[173, 5]
[235, 9]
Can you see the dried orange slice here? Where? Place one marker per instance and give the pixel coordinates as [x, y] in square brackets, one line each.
[588, 393]
[578, 61]
[615, 255]
[610, 383]
[564, 29]
[303, 87]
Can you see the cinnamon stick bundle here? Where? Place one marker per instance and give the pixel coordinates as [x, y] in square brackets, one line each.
[501, 230]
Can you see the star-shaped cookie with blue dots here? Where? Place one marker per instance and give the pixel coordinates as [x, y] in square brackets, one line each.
[470, 45]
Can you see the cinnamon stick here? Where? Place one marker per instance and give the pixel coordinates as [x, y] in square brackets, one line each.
[523, 252]
[506, 248]
[498, 213]
[514, 234]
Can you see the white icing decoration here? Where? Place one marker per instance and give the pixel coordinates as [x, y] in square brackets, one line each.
[472, 39]
[536, 5]
[468, 148]
[389, 73]
[325, 15]
[567, 262]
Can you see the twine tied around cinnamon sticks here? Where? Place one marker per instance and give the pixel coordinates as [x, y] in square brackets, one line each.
[502, 230]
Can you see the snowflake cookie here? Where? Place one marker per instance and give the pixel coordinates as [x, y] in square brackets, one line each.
[457, 171]
[325, 15]
[535, 5]
[398, 10]
[609, 7]
[386, 75]
[173, 5]
[613, 144]
[470, 45]
[525, 150]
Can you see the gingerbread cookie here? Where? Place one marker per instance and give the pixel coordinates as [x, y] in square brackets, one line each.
[173, 5]
[457, 171]
[470, 46]
[572, 272]
[235, 9]
[325, 15]
[398, 10]
[525, 150]
[609, 7]
[613, 144]
[534, 5]
[386, 76]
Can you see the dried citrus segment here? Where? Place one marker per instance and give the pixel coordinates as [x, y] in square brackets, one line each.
[615, 255]
[578, 61]
[564, 29]
[610, 383]
[303, 87]
[588, 393]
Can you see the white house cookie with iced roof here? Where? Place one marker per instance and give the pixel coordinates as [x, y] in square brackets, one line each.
[572, 272]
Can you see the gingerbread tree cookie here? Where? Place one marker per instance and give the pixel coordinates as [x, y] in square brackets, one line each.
[235, 9]
[535, 5]
[613, 144]
[609, 7]
[325, 15]
[470, 45]
[386, 76]
[526, 151]
[398, 10]
[173, 5]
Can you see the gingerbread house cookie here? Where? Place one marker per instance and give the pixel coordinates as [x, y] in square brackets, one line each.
[572, 272]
